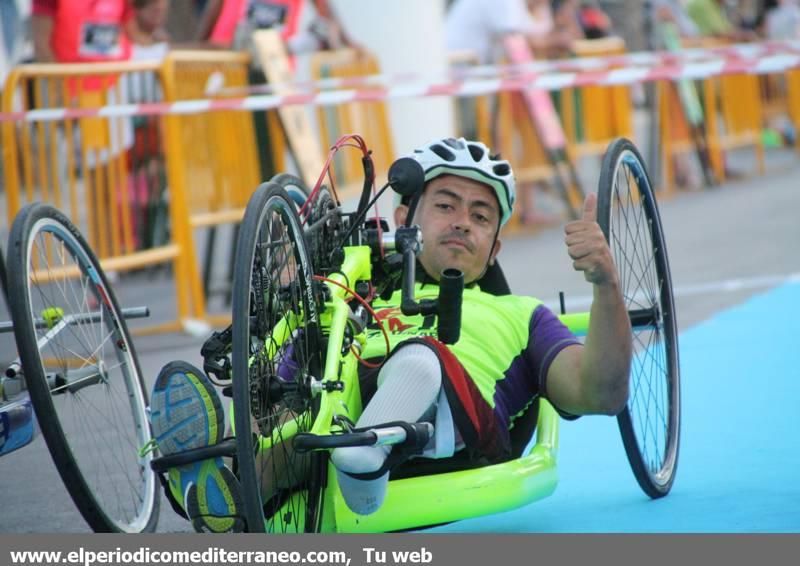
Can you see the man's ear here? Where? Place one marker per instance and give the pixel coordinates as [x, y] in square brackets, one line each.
[495, 250]
[400, 214]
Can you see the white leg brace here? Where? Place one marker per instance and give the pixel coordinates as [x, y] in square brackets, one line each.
[410, 390]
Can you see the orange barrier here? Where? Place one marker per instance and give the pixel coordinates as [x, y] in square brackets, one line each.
[793, 103]
[82, 167]
[733, 118]
[518, 141]
[595, 115]
[733, 113]
[220, 163]
[674, 135]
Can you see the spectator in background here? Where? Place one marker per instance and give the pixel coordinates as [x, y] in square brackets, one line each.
[783, 21]
[80, 30]
[304, 26]
[583, 19]
[9, 30]
[671, 11]
[566, 18]
[146, 171]
[712, 20]
[594, 22]
[479, 26]
[672, 23]
[147, 31]
[83, 31]
[5, 64]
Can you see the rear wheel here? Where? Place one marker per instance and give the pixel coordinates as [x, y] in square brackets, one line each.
[276, 360]
[629, 217]
[82, 372]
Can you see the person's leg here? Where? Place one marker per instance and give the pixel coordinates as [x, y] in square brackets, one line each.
[409, 387]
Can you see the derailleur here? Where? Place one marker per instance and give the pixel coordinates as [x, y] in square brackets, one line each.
[216, 357]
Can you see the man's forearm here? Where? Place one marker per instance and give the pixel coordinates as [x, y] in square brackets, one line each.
[605, 366]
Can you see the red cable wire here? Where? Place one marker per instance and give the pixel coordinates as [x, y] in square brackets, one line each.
[343, 141]
[372, 312]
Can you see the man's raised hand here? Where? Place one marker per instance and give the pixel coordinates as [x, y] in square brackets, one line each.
[588, 248]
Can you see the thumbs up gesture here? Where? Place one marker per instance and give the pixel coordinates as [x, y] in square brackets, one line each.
[588, 248]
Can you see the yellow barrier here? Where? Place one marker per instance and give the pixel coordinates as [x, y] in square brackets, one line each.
[674, 134]
[793, 103]
[219, 166]
[82, 167]
[596, 115]
[518, 141]
[220, 163]
[733, 118]
[733, 112]
[366, 118]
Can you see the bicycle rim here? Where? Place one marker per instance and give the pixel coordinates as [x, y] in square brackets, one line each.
[69, 330]
[650, 423]
[276, 347]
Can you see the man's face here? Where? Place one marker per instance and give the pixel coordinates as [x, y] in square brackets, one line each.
[459, 219]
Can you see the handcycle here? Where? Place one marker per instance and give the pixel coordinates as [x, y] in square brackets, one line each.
[305, 273]
[78, 372]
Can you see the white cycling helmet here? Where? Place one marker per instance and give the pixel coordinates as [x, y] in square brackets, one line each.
[473, 160]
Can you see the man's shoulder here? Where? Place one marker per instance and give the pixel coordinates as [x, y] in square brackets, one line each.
[518, 304]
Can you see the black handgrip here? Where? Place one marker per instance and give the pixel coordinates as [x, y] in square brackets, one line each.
[369, 179]
[451, 290]
[408, 305]
[408, 243]
[406, 176]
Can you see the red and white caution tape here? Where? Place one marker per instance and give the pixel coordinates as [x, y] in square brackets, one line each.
[465, 88]
[743, 51]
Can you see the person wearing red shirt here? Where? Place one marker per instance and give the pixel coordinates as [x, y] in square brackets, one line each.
[227, 23]
[80, 30]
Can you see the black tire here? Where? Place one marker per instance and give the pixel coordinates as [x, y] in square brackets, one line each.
[272, 389]
[294, 186]
[96, 426]
[3, 276]
[628, 215]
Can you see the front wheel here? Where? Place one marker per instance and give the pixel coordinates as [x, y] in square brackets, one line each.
[276, 355]
[629, 217]
[81, 371]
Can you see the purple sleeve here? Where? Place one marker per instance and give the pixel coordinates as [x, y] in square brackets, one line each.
[548, 336]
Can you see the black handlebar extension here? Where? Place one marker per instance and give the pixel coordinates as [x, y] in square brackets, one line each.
[451, 291]
[451, 288]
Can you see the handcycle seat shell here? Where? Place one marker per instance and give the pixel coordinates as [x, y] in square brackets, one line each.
[430, 500]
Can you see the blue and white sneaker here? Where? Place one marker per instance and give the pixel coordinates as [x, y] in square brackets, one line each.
[186, 413]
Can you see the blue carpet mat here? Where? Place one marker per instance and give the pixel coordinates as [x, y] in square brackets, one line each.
[739, 464]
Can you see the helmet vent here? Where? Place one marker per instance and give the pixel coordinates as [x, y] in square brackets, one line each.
[443, 152]
[476, 152]
[502, 169]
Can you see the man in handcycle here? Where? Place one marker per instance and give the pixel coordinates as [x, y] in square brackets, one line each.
[511, 350]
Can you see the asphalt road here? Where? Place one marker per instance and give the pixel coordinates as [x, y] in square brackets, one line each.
[725, 245]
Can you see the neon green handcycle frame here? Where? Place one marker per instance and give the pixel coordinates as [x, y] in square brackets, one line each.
[296, 333]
